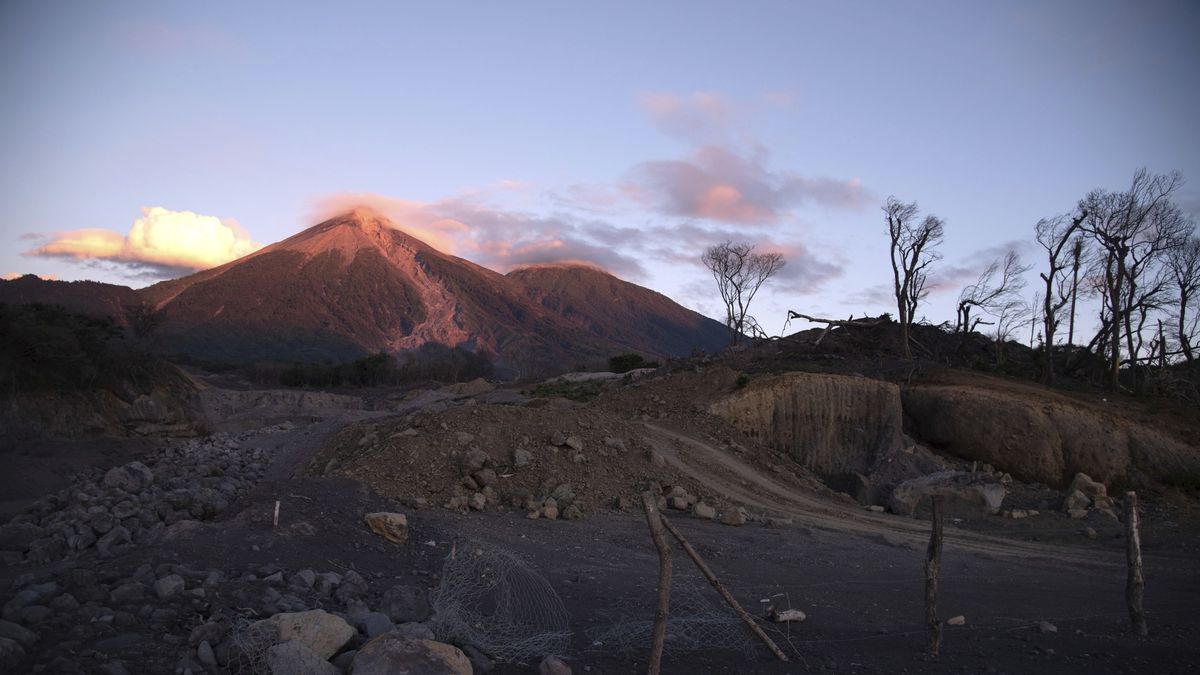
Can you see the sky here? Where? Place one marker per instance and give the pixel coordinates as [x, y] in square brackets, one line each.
[147, 140]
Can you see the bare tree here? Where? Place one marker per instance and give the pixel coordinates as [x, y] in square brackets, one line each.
[1011, 315]
[1133, 229]
[989, 294]
[1184, 265]
[1077, 252]
[913, 250]
[740, 272]
[1054, 234]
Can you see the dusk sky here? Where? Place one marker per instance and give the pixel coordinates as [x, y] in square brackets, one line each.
[146, 140]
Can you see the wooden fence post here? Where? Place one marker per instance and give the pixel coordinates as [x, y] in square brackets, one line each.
[1135, 582]
[654, 519]
[933, 561]
[729, 599]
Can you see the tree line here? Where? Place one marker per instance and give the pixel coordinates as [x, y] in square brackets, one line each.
[1134, 250]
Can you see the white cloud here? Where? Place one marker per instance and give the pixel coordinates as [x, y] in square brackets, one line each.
[160, 238]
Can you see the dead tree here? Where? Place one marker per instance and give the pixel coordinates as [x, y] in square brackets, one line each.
[739, 273]
[913, 250]
[1077, 250]
[1133, 230]
[1054, 234]
[989, 294]
[830, 323]
[1184, 265]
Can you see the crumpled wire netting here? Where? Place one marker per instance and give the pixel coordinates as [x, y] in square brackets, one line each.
[493, 600]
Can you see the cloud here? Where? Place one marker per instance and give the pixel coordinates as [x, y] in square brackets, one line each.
[161, 239]
[701, 117]
[722, 185]
[498, 238]
[944, 278]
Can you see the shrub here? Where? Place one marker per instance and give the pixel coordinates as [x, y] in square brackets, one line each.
[624, 363]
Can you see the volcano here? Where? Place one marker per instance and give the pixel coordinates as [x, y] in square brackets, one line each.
[355, 285]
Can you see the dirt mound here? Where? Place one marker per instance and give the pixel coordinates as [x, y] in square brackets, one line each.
[591, 455]
[1043, 437]
[829, 424]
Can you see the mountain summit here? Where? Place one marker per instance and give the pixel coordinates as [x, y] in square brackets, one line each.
[355, 284]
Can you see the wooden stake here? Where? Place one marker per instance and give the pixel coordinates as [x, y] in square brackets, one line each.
[275, 523]
[1135, 583]
[654, 520]
[729, 599]
[933, 561]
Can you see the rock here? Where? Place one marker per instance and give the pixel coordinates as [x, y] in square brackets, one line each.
[370, 624]
[484, 477]
[575, 443]
[418, 631]
[962, 489]
[614, 443]
[558, 438]
[393, 653]
[275, 579]
[1091, 533]
[572, 512]
[131, 478]
[477, 501]
[320, 631]
[205, 655]
[303, 580]
[34, 614]
[1090, 488]
[678, 503]
[1047, 627]
[702, 510]
[521, 457]
[480, 663]
[22, 635]
[550, 509]
[1077, 514]
[169, 586]
[405, 604]
[210, 632]
[390, 526]
[128, 593]
[181, 528]
[117, 537]
[959, 620]
[295, 658]
[736, 516]
[563, 493]
[656, 458]
[876, 508]
[11, 655]
[474, 460]
[1075, 501]
[552, 665]
[788, 615]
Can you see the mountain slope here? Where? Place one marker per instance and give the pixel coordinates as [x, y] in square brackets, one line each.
[90, 298]
[355, 285]
[631, 316]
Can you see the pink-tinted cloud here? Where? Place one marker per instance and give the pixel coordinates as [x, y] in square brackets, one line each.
[701, 117]
[169, 240]
[721, 185]
[161, 38]
[495, 237]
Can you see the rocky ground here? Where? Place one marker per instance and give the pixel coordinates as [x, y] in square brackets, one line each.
[169, 557]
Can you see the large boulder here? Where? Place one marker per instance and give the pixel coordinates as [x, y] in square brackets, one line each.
[831, 424]
[295, 658]
[320, 631]
[392, 653]
[960, 490]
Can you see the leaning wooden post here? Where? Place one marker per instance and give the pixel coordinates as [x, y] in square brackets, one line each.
[1135, 583]
[933, 561]
[654, 519]
[729, 599]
